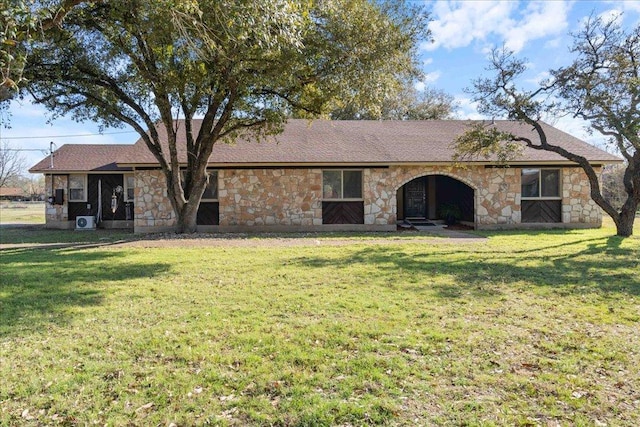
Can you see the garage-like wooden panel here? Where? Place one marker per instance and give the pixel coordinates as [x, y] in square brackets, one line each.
[208, 214]
[343, 212]
[541, 211]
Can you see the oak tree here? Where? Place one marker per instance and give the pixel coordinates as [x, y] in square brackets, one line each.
[601, 86]
[20, 23]
[242, 66]
[406, 103]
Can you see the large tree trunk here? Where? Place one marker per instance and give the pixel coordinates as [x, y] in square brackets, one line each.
[187, 219]
[624, 221]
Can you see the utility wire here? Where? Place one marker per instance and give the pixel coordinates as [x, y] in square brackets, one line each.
[67, 136]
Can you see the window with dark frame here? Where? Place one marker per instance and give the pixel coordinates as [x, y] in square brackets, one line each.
[211, 190]
[342, 184]
[541, 200]
[130, 184]
[540, 183]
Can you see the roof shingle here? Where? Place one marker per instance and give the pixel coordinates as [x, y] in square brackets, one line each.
[324, 142]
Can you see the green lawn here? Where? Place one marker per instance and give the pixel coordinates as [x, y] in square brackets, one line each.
[21, 213]
[525, 328]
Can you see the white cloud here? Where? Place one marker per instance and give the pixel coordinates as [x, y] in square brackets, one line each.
[467, 109]
[540, 19]
[626, 5]
[431, 77]
[609, 15]
[460, 23]
[538, 78]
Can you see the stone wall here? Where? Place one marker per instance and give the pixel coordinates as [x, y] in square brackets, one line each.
[257, 197]
[293, 197]
[152, 208]
[577, 205]
[56, 213]
[497, 191]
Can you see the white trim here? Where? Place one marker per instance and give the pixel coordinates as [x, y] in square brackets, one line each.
[126, 186]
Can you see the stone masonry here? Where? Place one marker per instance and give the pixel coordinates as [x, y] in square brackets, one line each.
[577, 205]
[56, 213]
[152, 207]
[270, 197]
[293, 197]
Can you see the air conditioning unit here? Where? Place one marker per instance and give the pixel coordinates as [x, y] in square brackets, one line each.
[85, 223]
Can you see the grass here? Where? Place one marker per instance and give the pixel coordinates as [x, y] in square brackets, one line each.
[21, 213]
[526, 328]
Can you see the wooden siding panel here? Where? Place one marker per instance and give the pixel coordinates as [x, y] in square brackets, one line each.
[208, 213]
[541, 211]
[343, 212]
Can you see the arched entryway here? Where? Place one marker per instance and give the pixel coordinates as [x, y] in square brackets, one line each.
[430, 197]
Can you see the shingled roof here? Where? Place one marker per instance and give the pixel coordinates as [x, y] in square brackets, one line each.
[84, 158]
[323, 142]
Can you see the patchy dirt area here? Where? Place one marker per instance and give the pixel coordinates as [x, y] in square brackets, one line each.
[288, 241]
[231, 240]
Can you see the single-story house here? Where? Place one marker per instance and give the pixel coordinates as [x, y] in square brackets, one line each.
[12, 194]
[329, 175]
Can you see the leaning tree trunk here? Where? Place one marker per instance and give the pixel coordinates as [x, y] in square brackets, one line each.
[624, 221]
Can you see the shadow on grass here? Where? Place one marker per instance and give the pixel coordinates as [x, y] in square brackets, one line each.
[40, 235]
[575, 267]
[44, 286]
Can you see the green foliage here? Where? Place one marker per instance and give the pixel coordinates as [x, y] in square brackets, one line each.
[485, 141]
[525, 328]
[243, 66]
[407, 103]
[600, 86]
[20, 23]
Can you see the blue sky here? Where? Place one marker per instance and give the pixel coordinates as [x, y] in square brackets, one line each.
[464, 32]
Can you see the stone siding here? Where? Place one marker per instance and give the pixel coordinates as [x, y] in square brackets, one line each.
[152, 207]
[257, 197]
[577, 205]
[497, 191]
[281, 197]
[56, 213]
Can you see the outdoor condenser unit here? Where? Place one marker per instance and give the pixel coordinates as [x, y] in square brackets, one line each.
[85, 223]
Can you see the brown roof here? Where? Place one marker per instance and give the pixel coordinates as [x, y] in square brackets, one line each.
[83, 158]
[323, 142]
[11, 192]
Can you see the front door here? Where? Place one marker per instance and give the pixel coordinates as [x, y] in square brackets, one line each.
[415, 198]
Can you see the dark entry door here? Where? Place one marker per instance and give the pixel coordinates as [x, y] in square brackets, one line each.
[415, 198]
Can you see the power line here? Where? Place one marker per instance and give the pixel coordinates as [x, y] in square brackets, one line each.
[67, 136]
[22, 149]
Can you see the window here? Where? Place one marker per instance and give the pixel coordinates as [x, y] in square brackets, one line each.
[540, 183]
[541, 201]
[77, 188]
[342, 184]
[211, 190]
[129, 186]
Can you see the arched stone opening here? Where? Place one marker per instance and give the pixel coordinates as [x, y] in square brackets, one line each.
[430, 197]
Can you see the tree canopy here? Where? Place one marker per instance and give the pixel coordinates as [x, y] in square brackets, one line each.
[601, 86]
[243, 66]
[20, 23]
[406, 103]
